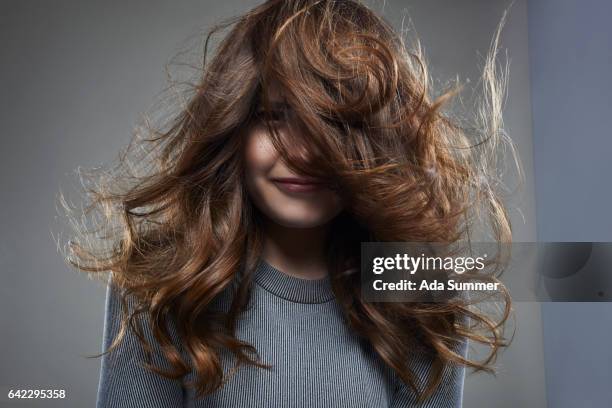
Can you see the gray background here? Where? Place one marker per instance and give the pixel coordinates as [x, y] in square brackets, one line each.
[572, 103]
[75, 76]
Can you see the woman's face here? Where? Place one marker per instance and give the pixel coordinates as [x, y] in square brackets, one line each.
[286, 198]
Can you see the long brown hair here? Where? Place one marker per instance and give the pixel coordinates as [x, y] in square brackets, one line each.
[175, 225]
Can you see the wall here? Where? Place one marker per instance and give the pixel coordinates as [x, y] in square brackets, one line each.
[570, 46]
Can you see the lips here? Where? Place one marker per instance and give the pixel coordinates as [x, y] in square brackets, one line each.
[298, 184]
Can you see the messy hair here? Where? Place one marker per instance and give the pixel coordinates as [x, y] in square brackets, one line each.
[175, 226]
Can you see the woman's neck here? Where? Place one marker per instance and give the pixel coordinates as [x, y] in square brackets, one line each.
[299, 252]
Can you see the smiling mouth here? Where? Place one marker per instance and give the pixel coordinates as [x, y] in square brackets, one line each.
[298, 184]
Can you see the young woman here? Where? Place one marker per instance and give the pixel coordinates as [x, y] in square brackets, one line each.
[234, 254]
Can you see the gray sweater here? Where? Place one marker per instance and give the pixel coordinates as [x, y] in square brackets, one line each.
[297, 327]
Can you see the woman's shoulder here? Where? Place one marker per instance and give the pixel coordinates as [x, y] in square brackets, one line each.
[120, 304]
[448, 393]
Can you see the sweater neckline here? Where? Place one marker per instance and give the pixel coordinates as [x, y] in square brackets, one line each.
[292, 288]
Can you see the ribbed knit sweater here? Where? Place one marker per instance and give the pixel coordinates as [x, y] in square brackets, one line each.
[296, 326]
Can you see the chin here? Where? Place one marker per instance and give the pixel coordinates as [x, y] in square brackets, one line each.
[302, 220]
[299, 223]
